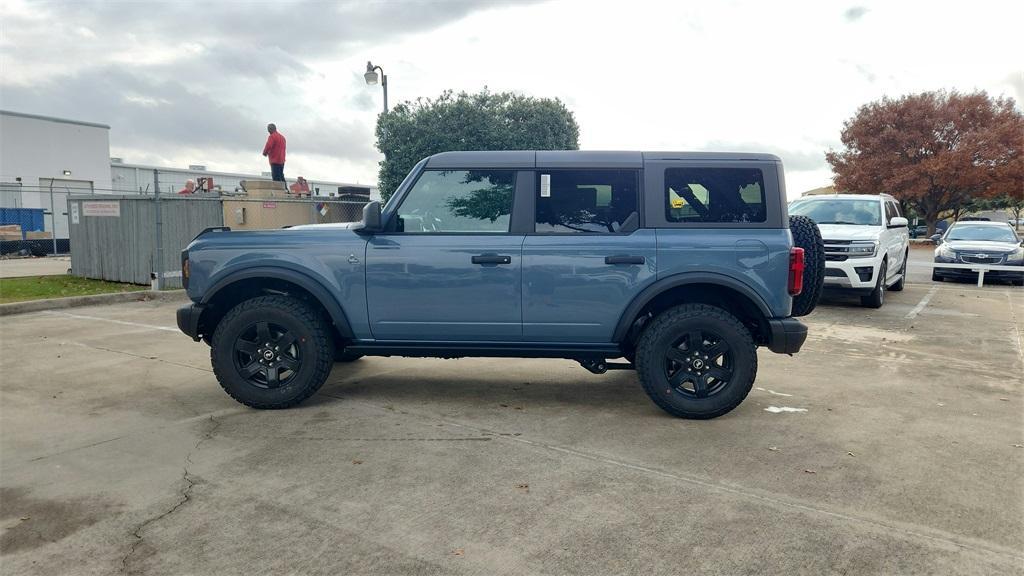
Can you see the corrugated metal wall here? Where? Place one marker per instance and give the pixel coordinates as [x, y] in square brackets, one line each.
[121, 248]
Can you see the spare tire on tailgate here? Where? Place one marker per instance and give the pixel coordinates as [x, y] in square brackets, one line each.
[807, 236]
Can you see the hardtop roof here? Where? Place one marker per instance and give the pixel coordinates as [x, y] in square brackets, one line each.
[577, 158]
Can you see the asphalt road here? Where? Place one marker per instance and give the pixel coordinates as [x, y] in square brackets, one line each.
[119, 453]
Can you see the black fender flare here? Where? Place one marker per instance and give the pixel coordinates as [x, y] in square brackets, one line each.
[304, 281]
[682, 279]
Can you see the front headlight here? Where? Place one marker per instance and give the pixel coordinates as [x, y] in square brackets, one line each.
[947, 252]
[1016, 256]
[862, 249]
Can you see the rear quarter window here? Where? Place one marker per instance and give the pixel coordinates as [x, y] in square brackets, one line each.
[735, 195]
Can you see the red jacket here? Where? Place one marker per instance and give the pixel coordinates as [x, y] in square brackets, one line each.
[274, 150]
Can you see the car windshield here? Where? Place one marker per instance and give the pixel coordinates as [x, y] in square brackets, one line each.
[839, 211]
[981, 233]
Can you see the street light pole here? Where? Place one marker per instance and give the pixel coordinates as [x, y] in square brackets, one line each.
[372, 77]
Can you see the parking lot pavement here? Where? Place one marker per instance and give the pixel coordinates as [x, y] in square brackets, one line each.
[891, 444]
[50, 266]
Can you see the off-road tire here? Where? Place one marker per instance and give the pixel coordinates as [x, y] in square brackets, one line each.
[342, 355]
[807, 236]
[898, 286]
[661, 336]
[877, 296]
[313, 345]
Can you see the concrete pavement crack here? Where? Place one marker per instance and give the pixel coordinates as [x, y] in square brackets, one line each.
[185, 496]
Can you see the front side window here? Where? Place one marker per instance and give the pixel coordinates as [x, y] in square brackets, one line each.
[466, 201]
[714, 195]
[852, 211]
[587, 201]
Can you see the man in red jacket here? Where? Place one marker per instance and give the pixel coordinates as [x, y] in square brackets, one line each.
[274, 151]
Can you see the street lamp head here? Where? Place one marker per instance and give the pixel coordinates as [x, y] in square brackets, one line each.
[371, 74]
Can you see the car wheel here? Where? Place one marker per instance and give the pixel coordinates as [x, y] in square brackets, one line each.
[877, 296]
[342, 355]
[898, 286]
[272, 352]
[696, 361]
[807, 236]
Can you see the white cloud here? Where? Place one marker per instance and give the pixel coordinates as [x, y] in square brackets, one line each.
[771, 77]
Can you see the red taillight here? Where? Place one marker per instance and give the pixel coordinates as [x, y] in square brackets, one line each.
[796, 271]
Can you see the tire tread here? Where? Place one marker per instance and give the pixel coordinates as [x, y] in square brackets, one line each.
[301, 312]
[806, 235]
[664, 322]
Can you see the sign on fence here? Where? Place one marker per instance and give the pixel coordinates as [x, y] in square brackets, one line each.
[92, 208]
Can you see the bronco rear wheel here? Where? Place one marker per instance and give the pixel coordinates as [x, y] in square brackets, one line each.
[807, 236]
[696, 361]
[271, 352]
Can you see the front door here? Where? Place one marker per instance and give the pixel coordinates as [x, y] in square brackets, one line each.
[448, 269]
[588, 256]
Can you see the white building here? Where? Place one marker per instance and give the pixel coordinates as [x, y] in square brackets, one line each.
[42, 159]
[136, 178]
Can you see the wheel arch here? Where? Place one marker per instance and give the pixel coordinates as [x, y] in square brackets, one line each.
[244, 284]
[699, 287]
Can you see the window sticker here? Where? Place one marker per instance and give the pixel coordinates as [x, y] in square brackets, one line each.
[545, 185]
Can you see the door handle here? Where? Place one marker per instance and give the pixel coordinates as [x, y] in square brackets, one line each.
[491, 259]
[624, 259]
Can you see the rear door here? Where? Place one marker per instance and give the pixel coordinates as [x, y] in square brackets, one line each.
[587, 256]
[448, 269]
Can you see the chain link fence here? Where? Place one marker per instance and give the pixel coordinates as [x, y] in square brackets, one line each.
[37, 220]
[138, 238]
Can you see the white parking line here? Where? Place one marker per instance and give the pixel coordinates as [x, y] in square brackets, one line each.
[924, 302]
[109, 320]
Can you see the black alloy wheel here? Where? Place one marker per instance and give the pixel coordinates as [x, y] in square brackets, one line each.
[699, 364]
[266, 355]
[696, 361]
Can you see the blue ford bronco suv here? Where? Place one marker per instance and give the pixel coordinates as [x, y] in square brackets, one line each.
[680, 264]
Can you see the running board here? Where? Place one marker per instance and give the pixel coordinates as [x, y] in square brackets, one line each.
[597, 352]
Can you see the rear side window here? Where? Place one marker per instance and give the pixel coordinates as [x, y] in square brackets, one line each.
[587, 201]
[467, 201]
[714, 195]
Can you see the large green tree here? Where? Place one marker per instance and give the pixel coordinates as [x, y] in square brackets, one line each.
[481, 121]
[935, 151]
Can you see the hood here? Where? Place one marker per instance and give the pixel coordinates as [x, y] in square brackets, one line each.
[849, 232]
[981, 246]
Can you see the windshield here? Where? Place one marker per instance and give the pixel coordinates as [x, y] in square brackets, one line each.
[840, 211]
[981, 233]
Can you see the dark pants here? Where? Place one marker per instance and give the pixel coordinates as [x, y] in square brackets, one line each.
[277, 172]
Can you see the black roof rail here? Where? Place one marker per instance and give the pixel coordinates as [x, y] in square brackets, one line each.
[213, 229]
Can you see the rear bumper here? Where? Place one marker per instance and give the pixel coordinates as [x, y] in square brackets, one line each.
[188, 320]
[786, 335]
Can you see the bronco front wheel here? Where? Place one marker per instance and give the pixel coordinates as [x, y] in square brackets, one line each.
[272, 352]
[696, 361]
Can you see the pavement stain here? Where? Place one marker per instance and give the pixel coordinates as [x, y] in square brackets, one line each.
[42, 521]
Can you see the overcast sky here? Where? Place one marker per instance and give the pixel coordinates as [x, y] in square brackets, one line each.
[196, 83]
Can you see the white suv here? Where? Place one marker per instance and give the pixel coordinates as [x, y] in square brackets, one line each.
[866, 242]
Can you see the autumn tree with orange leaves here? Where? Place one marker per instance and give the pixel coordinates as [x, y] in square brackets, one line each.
[935, 151]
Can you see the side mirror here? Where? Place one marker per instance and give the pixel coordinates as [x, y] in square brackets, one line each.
[898, 222]
[371, 218]
[937, 238]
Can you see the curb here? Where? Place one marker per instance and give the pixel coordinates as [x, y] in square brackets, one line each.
[91, 300]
